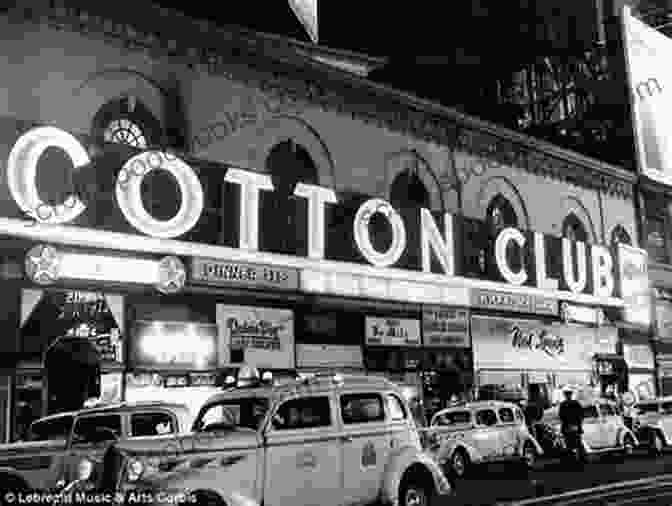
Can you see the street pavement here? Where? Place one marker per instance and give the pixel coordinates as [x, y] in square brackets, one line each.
[504, 484]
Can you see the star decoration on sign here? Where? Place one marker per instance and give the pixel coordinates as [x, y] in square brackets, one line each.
[172, 275]
[42, 264]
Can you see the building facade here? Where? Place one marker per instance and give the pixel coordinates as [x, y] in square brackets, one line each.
[186, 209]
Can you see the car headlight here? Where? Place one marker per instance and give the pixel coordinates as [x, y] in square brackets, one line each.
[84, 469]
[134, 470]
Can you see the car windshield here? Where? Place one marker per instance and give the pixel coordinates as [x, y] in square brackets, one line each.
[247, 412]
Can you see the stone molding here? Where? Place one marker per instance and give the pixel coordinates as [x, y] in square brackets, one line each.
[292, 79]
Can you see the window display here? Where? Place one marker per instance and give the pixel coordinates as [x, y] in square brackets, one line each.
[48, 315]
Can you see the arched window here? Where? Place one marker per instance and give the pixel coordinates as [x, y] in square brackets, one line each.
[408, 190]
[573, 229]
[500, 214]
[126, 121]
[288, 163]
[620, 236]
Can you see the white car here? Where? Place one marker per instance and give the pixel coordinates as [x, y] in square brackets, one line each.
[653, 422]
[328, 440]
[603, 428]
[479, 433]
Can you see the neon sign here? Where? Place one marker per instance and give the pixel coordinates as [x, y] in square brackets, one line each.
[46, 265]
[584, 269]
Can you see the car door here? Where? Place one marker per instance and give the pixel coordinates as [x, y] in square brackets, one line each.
[508, 432]
[42, 465]
[610, 425]
[485, 436]
[666, 418]
[365, 445]
[593, 434]
[401, 424]
[303, 453]
[91, 435]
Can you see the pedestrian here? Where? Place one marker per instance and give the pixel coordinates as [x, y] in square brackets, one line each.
[571, 422]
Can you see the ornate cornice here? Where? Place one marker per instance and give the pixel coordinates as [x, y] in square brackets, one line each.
[291, 79]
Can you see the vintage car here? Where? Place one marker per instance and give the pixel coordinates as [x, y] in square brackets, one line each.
[603, 428]
[653, 423]
[479, 433]
[56, 444]
[325, 440]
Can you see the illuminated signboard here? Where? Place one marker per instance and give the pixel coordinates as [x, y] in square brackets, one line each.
[46, 265]
[415, 238]
[518, 302]
[214, 272]
[174, 345]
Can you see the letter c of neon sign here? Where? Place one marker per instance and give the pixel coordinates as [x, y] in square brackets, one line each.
[22, 172]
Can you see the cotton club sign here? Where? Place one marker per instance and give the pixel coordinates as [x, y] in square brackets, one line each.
[581, 268]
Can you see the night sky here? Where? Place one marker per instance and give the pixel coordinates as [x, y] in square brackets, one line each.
[395, 30]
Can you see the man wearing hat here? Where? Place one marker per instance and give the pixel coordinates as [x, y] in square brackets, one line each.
[571, 421]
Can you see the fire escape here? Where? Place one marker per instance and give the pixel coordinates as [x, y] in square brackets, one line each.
[564, 99]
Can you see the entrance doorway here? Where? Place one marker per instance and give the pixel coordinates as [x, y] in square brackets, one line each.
[72, 370]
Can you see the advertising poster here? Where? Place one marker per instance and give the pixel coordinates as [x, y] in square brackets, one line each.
[445, 327]
[264, 335]
[634, 282]
[392, 332]
[650, 78]
[506, 343]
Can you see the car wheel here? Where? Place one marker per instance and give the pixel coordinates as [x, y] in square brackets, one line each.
[414, 494]
[628, 446]
[656, 444]
[529, 455]
[459, 463]
[206, 498]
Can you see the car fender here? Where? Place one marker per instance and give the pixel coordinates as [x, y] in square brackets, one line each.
[645, 433]
[664, 435]
[445, 453]
[530, 439]
[624, 431]
[403, 460]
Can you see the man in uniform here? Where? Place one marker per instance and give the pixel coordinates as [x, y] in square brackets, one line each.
[571, 422]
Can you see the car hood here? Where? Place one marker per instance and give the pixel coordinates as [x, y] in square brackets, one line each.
[176, 444]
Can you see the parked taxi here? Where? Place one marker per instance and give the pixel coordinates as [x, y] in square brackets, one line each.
[327, 440]
[603, 427]
[479, 433]
[653, 423]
